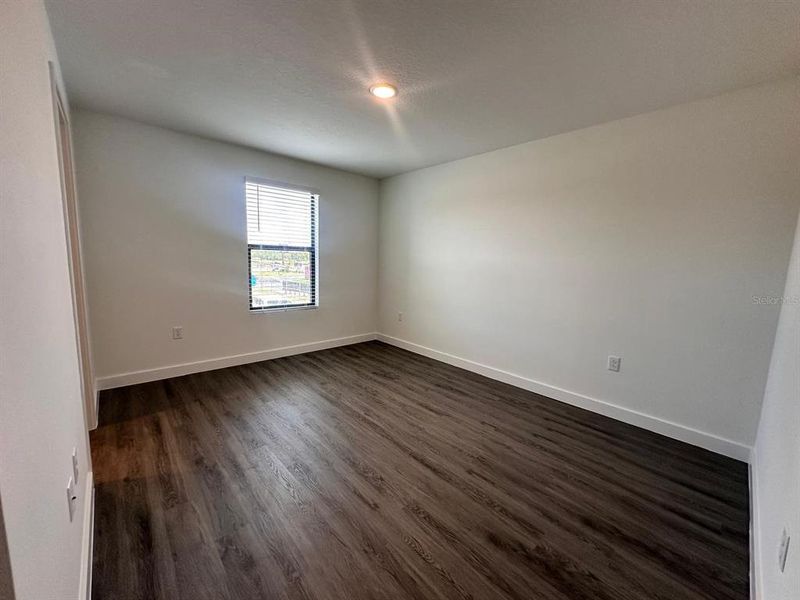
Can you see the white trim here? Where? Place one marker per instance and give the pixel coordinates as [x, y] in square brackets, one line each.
[670, 429]
[87, 544]
[756, 584]
[122, 379]
[96, 391]
[69, 202]
[674, 430]
[282, 309]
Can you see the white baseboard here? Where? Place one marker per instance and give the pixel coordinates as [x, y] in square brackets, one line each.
[114, 381]
[94, 417]
[668, 428]
[87, 544]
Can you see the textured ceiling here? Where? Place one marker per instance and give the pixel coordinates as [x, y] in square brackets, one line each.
[291, 76]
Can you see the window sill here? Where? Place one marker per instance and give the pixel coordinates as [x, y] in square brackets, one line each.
[280, 309]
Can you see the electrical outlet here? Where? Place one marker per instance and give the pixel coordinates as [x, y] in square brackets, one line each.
[177, 332]
[783, 552]
[72, 497]
[75, 471]
[614, 363]
[400, 317]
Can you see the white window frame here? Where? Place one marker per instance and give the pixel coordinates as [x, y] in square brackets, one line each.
[314, 249]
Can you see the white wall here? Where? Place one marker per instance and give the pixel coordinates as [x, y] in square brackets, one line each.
[776, 456]
[646, 238]
[41, 410]
[163, 225]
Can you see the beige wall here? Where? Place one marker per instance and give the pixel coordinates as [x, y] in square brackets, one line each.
[645, 238]
[163, 219]
[41, 410]
[776, 456]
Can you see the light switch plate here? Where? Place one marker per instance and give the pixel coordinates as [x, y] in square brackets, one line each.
[71, 498]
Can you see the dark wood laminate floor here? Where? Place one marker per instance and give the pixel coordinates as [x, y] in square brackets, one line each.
[370, 472]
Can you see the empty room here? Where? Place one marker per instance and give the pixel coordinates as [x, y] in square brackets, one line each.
[399, 299]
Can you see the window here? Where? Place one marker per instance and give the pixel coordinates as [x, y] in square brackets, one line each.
[281, 245]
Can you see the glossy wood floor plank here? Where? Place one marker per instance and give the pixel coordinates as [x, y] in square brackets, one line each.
[367, 472]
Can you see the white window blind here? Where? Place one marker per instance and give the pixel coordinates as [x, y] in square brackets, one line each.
[282, 245]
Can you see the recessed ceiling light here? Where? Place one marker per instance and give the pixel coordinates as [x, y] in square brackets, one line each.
[383, 90]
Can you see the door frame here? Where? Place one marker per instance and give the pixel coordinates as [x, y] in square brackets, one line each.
[69, 199]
